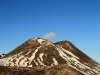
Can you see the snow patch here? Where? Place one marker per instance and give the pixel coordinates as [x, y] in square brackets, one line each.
[66, 51]
[55, 61]
[2, 62]
[40, 62]
[41, 55]
[40, 40]
[35, 62]
[33, 55]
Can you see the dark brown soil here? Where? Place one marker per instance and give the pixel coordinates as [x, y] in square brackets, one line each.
[49, 70]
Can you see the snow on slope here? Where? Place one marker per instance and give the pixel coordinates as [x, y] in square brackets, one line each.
[74, 61]
[48, 54]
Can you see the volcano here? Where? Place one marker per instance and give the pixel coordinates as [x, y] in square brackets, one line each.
[41, 52]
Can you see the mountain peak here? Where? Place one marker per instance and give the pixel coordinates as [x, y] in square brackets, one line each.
[41, 52]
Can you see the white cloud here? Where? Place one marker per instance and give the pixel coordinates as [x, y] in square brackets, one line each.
[50, 35]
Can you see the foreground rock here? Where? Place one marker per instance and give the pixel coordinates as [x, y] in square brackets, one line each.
[49, 70]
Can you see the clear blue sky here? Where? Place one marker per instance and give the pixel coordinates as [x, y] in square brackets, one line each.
[75, 20]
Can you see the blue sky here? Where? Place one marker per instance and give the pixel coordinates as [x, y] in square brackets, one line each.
[75, 20]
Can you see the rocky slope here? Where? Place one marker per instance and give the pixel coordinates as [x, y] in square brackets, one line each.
[48, 70]
[41, 52]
